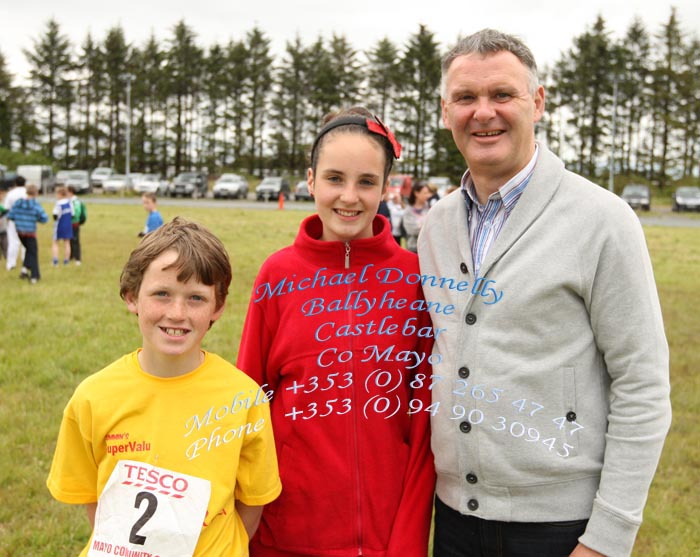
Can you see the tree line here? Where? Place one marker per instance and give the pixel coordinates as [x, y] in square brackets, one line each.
[236, 106]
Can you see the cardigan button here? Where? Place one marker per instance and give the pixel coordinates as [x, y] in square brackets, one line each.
[471, 478]
[463, 268]
[463, 372]
[473, 504]
[465, 427]
[470, 319]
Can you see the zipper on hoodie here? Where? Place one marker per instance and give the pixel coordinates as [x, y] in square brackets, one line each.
[358, 474]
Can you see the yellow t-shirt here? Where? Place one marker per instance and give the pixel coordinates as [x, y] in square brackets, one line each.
[212, 423]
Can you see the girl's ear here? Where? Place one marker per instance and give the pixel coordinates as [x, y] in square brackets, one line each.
[310, 180]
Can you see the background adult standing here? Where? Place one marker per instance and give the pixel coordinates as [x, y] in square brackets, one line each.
[555, 391]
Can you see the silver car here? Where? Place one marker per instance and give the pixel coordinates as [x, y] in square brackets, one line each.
[231, 185]
[116, 183]
[686, 198]
[151, 183]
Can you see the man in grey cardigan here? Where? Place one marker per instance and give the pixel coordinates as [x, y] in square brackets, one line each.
[550, 375]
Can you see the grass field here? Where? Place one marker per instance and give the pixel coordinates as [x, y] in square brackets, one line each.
[72, 323]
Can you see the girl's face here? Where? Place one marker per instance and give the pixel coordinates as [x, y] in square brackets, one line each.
[348, 185]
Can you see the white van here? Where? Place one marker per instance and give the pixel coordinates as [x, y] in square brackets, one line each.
[38, 174]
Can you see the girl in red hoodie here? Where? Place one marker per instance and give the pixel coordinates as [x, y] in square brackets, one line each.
[339, 336]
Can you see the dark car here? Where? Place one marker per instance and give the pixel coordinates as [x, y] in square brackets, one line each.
[686, 199]
[8, 179]
[637, 196]
[190, 184]
[301, 192]
[271, 188]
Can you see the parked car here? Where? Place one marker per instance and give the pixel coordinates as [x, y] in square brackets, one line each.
[301, 191]
[41, 175]
[116, 183]
[271, 188]
[686, 199]
[79, 179]
[638, 196]
[151, 183]
[190, 184]
[100, 174]
[8, 179]
[231, 185]
[401, 183]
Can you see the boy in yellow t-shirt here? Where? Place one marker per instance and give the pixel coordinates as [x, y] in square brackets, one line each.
[170, 447]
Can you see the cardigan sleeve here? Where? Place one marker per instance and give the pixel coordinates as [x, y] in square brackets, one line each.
[626, 319]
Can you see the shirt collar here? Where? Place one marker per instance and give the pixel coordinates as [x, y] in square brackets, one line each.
[509, 192]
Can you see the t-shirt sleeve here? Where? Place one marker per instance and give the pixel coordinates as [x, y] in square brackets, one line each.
[258, 481]
[73, 474]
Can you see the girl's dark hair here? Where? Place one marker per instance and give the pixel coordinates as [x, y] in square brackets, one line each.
[355, 119]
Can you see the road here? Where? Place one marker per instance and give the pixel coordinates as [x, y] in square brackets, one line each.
[658, 216]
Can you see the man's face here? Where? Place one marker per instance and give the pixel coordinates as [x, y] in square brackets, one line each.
[491, 112]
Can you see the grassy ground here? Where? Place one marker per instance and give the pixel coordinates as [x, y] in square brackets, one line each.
[73, 322]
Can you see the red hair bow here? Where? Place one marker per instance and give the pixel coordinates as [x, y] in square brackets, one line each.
[379, 128]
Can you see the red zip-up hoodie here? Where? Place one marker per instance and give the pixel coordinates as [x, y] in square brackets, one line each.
[339, 335]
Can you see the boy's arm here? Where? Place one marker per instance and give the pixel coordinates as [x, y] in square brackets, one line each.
[250, 517]
[90, 509]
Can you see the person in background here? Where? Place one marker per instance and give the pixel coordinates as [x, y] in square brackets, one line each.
[396, 209]
[14, 245]
[358, 479]
[79, 218]
[154, 219]
[25, 214]
[162, 416]
[3, 225]
[555, 390]
[63, 228]
[415, 213]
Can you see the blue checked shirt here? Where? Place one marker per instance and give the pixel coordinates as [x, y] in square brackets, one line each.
[486, 221]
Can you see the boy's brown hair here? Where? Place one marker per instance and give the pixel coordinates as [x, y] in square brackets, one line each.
[200, 254]
[150, 195]
[32, 190]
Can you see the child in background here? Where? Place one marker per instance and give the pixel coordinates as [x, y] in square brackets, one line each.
[170, 447]
[79, 218]
[25, 213]
[154, 219]
[3, 226]
[63, 229]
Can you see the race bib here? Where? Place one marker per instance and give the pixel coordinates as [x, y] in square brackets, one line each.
[147, 511]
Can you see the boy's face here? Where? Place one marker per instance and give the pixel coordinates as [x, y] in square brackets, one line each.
[148, 204]
[173, 318]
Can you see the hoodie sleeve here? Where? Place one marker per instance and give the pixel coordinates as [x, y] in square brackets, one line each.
[411, 530]
[256, 340]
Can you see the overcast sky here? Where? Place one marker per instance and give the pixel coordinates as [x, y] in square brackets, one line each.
[547, 26]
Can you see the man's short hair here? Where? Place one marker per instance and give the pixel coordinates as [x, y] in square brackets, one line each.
[20, 181]
[490, 41]
[200, 254]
